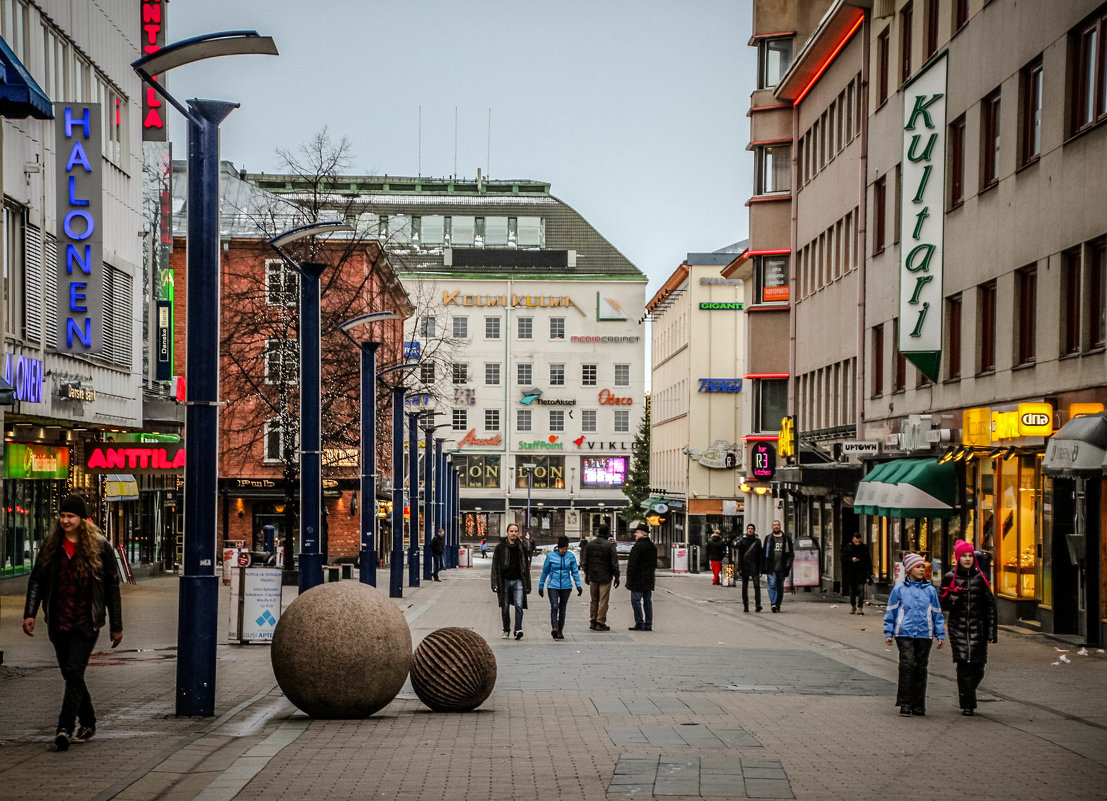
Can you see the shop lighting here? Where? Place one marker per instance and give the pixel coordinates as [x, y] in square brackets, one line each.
[744, 487]
[760, 490]
[948, 456]
[1009, 454]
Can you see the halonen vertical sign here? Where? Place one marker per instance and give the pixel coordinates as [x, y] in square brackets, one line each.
[922, 222]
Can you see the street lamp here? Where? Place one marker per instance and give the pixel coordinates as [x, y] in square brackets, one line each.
[428, 489]
[396, 565]
[198, 602]
[311, 438]
[367, 573]
[530, 479]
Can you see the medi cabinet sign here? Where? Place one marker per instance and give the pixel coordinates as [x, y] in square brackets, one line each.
[80, 237]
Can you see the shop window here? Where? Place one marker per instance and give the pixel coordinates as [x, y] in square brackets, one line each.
[987, 293]
[882, 67]
[460, 419]
[1031, 84]
[1026, 288]
[1017, 517]
[1089, 83]
[953, 323]
[989, 140]
[492, 374]
[477, 471]
[461, 327]
[1070, 302]
[774, 58]
[548, 472]
[957, 162]
[771, 279]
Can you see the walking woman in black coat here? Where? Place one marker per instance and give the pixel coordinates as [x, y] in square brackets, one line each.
[970, 608]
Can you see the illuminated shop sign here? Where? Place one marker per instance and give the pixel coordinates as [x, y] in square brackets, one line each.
[609, 398]
[477, 471]
[1029, 420]
[35, 461]
[548, 472]
[471, 440]
[734, 306]
[786, 437]
[720, 384]
[107, 457]
[412, 351]
[80, 238]
[26, 375]
[456, 298]
[922, 219]
[552, 444]
[607, 472]
[764, 460]
[75, 391]
[152, 36]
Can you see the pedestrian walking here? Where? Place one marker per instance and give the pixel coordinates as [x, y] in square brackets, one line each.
[716, 550]
[560, 570]
[857, 571]
[75, 582]
[779, 555]
[971, 620]
[641, 571]
[913, 619]
[438, 546]
[484, 549]
[511, 579]
[601, 567]
[751, 559]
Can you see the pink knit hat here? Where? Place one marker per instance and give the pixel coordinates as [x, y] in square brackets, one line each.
[961, 548]
[911, 560]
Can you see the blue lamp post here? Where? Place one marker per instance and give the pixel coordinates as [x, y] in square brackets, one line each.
[199, 590]
[396, 557]
[439, 490]
[429, 481]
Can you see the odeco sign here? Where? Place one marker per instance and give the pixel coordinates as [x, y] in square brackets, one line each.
[609, 398]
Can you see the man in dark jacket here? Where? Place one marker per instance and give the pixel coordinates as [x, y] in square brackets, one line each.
[751, 557]
[438, 546]
[511, 579]
[641, 568]
[857, 567]
[779, 555]
[601, 567]
[716, 551]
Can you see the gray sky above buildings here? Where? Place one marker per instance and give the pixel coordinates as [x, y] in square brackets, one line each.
[633, 110]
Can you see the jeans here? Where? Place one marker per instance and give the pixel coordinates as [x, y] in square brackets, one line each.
[600, 594]
[969, 676]
[436, 560]
[642, 604]
[856, 592]
[559, 605]
[914, 657]
[515, 588]
[746, 591]
[73, 648]
[776, 588]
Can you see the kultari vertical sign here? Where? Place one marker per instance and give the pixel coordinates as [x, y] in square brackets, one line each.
[923, 220]
[80, 235]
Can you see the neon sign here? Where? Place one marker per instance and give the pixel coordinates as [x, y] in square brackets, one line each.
[111, 458]
[152, 36]
[607, 472]
[80, 240]
[26, 375]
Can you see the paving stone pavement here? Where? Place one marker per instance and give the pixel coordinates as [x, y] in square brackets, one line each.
[714, 703]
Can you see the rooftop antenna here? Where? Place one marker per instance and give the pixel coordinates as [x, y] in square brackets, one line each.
[419, 169]
[488, 154]
[455, 141]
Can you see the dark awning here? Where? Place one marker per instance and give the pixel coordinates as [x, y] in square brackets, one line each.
[908, 488]
[20, 96]
[1078, 448]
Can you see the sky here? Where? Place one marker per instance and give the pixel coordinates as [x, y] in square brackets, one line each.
[632, 110]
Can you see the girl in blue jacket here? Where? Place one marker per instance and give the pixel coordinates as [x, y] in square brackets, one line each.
[560, 568]
[914, 619]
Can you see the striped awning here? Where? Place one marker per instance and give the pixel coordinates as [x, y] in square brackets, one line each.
[908, 488]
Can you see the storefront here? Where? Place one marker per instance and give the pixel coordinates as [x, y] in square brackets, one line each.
[35, 481]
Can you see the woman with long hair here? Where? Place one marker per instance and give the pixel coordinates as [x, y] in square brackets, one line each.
[77, 585]
[971, 619]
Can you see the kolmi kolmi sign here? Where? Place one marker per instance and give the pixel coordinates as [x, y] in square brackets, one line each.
[80, 235]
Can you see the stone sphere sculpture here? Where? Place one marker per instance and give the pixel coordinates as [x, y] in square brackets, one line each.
[341, 650]
[453, 670]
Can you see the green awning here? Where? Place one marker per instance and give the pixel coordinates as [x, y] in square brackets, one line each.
[908, 488]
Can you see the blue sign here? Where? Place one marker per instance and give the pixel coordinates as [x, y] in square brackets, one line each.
[720, 384]
[26, 375]
[412, 351]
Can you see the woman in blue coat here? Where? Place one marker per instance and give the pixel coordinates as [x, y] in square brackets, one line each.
[560, 569]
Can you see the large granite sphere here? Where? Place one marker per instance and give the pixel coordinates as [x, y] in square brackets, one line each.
[453, 670]
[341, 650]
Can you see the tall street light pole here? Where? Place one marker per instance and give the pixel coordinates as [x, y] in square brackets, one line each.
[367, 573]
[311, 436]
[396, 557]
[530, 479]
[198, 601]
[428, 491]
[413, 499]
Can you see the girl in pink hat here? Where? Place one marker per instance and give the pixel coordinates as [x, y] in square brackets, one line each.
[971, 618]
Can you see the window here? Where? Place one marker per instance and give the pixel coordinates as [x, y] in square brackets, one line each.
[989, 142]
[492, 374]
[1026, 289]
[557, 419]
[771, 278]
[1097, 285]
[773, 169]
[426, 328]
[461, 327]
[1070, 302]
[622, 421]
[275, 443]
[491, 419]
[880, 213]
[1089, 85]
[770, 403]
[282, 361]
[1032, 112]
[495, 232]
[426, 372]
[932, 7]
[282, 285]
[460, 419]
[988, 327]
[557, 375]
[899, 362]
[905, 20]
[882, 67]
[957, 162]
[522, 419]
[524, 326]
[953, 321]
[588, 421]
[774, 58]
[588, 375]
[491, 327]
[557, 328]
[524, 374]
[462, 232]
[14, 267]
[960, 14]
[460, 373]
[622, 375]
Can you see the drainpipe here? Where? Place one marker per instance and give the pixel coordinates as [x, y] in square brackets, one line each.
[861, 247]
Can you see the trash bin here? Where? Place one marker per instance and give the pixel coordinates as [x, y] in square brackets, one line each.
[464, 557]
[679, 558]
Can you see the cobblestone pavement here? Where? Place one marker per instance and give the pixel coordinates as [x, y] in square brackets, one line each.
[714, 703]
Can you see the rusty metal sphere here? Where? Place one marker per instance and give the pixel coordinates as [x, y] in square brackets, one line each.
[453, 670]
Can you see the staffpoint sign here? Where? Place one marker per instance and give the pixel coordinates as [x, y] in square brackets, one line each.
[922, 219]
[80, 238]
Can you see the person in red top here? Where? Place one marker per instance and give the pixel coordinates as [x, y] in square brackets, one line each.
[77, 585]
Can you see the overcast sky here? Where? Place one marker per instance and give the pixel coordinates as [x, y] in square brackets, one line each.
[633, 110]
